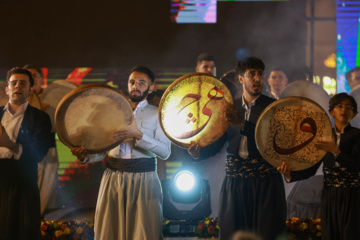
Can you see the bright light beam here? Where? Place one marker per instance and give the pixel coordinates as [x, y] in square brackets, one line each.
[184, 180]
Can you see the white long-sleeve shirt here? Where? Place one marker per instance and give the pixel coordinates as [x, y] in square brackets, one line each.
[12, 123]
[153, 143]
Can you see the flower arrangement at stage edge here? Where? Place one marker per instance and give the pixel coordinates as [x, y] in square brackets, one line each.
[304, 228]
[207, 228]
[70, 230]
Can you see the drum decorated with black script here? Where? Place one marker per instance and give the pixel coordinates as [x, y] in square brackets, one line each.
[89, 115]
[288, 129]
[192, 109]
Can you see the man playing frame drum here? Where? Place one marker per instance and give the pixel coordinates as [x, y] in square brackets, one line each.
[129, 204]
[252, 196]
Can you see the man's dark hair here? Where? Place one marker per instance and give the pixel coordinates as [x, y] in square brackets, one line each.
[18, 70]
[145, 70]
[204, 57]
[338, 98]
[348, 74]
[249, 62]
[30, 66]
[277, 68]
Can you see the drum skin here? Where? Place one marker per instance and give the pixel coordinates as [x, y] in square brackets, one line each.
[55, 91]
[308, 90]
[89, 115]
[288, 129]
[192, 109]
[52, 95]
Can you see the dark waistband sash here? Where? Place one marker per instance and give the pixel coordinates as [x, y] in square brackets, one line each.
[248, 168]
[131, 165]
[8, 162]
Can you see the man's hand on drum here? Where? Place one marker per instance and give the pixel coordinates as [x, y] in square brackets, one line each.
[328, 146]
[285, 169]
[194, 150]
[233, 118]
[79, 152]
[130, 131]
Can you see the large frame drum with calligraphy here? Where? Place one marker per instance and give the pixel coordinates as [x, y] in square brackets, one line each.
[89, 115]
[192, 109]
[288, 129]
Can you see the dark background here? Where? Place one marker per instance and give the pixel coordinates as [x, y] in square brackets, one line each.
[107, 33]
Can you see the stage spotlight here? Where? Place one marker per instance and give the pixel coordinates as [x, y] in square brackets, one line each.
[184, 180]
[186, 196]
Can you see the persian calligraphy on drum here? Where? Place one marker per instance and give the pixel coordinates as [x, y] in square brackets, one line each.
[288, 129]
[192, 109]
[89, 115]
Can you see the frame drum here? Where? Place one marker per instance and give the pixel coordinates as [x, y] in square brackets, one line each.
[288, 129]
[192, 109]
[309, 90]
[89, 115]
[53, 94]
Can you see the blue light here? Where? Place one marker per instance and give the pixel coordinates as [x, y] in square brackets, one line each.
[184, 180]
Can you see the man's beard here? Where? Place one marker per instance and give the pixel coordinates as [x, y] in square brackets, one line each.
[139, 98]
[251, 91]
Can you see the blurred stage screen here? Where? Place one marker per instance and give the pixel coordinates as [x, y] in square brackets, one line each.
[200, 11]
[348, 49]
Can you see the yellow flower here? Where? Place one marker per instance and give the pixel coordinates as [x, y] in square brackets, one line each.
[318, 234]
[67, 231]
[295, 219]
[303, 226]
[207, 221]
[79, 230]
[217, 226]
[318, 220]
[58, 233]
[318, 227]
[43, 233]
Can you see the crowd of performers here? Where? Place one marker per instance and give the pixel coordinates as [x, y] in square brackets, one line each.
[129, 205]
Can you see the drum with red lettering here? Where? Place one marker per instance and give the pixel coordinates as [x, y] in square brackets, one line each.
[192, 109]
[288, 129]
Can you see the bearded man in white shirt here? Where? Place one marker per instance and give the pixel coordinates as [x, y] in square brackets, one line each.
[129, 204]
[24, 141]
